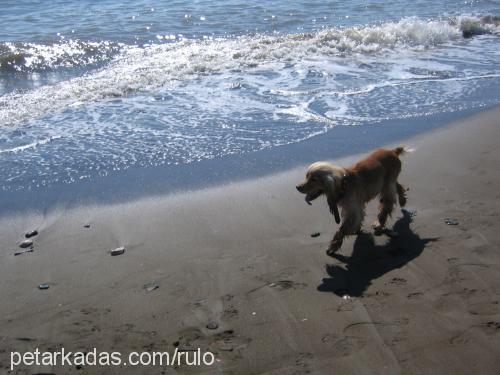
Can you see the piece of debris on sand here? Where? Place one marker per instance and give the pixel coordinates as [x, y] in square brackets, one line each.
[117, 251]
[31, 234]
[451, 221]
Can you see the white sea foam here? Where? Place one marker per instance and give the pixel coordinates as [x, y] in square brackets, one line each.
[175, 102]
[155, 66]
[30, 145]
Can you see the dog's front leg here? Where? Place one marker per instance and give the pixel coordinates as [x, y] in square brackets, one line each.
[337, 241]
[351, 224]
[345, 229]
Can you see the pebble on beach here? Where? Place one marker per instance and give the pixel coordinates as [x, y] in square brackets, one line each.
[151, 286]
[31, 234]
[451, 221]
[43, 286]
[212, 324]
[25, 244]
[117, 251]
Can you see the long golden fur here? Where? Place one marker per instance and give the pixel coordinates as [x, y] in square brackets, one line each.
[351, 188]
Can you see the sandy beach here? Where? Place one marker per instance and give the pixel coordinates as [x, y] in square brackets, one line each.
[241, 255]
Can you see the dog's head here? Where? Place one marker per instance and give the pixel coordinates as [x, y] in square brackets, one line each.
[324, 178]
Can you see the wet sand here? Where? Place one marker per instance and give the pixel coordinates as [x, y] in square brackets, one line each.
[241, 255]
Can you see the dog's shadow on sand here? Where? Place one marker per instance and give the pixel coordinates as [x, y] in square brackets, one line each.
[370, 261]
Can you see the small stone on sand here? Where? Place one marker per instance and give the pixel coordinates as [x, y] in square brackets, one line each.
[315, 234]
[451, 221]
[212, 324]
[43, 286]
[25, 244]
[31, 234]
[151, 286]
[117, 251]
[86, 225]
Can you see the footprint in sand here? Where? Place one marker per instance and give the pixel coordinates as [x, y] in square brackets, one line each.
[229, 311]
[490, 328]
[459, 339]
[455, 273]
[247, 268]
[482, 249]
[189, 338]
[343, 346]
[227, 342]
[303, 362]
[397, 281]
[280, 285]
[392, 333]
[484, 308]
[346, 305]
[414, 295]
[286, 284]
[453, 276]
[381, 293]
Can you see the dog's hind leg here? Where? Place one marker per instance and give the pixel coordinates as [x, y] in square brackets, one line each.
[401, 194]
[387, 201]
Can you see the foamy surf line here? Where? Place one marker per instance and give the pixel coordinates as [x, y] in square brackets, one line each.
[371, 88]
[30, 145]
[156, 66]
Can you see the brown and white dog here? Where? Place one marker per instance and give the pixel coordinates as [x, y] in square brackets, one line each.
[351, 188]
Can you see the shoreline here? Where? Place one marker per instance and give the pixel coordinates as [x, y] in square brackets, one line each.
[242, 255]
[142, 182]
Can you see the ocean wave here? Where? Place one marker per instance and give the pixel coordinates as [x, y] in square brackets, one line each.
[154, 66]
[33, 57]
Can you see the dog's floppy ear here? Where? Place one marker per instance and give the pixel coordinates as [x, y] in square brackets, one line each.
[331, 197]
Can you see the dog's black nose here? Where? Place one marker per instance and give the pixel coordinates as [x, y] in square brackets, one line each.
[298, 188]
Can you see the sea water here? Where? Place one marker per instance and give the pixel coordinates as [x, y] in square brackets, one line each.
[89, 88]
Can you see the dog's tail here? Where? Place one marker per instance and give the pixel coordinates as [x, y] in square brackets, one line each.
[402, 150]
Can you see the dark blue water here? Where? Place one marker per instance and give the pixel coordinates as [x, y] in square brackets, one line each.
[91, 88]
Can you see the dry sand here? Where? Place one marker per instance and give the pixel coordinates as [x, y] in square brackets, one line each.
[242, 255]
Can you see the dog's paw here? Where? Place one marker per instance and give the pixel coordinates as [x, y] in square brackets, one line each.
[331, 252]
[334, 247]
